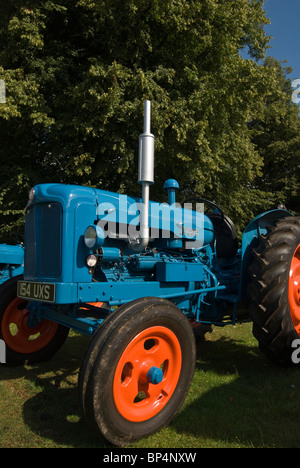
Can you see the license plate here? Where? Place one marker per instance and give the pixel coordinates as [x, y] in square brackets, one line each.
[36, 291]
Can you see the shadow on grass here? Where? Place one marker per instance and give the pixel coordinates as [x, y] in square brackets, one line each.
[243, 399]
[53, 411]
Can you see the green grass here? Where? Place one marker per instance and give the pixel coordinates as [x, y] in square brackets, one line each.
[238, 399]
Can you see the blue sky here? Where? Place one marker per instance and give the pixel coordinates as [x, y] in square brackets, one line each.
[285, 29]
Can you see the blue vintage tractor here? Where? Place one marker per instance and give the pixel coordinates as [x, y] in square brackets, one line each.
[11, 262]
[11, 269]
[139, 277]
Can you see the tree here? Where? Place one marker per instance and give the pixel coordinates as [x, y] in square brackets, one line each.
[77, 74]
[277, 138]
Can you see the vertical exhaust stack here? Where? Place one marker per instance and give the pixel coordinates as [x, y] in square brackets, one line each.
[145, 174]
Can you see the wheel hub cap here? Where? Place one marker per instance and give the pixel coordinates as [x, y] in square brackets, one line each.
[147, 374]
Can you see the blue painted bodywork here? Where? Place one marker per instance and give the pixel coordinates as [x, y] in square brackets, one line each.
[179, 263]
[11, 261]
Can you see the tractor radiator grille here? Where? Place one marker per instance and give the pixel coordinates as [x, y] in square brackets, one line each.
[43, 241]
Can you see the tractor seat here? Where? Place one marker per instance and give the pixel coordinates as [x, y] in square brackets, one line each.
[225, 235]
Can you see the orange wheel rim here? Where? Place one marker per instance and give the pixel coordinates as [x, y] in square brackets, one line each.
[136, 398]
[16, 333]
[94, 304]
[294, 290]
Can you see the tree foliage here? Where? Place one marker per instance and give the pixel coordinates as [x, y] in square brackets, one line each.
[77, 73]
[277, 139]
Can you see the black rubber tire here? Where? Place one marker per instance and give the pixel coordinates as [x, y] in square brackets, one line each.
[102, 357]
[268, 290]
[8, 293]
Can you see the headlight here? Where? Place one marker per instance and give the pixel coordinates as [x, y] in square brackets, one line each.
[94, 237]
[91, 261]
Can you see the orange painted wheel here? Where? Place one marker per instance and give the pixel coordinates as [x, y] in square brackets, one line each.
[137, 371]
[23, 342]
[294, 289]
[20, 337]
[137, 395]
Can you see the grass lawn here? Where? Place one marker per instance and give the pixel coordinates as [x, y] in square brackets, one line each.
[238, 399]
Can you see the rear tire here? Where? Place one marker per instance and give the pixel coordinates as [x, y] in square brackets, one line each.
[274, 292]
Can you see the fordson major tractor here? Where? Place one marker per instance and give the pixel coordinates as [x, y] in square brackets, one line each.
[11, 262]
[138, 276]
[11, 267]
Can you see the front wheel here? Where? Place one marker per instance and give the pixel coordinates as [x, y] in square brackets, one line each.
[23, 342]
[137, 371]
[275, 291]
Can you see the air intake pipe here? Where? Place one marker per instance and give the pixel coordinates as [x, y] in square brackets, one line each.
[145, 177]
